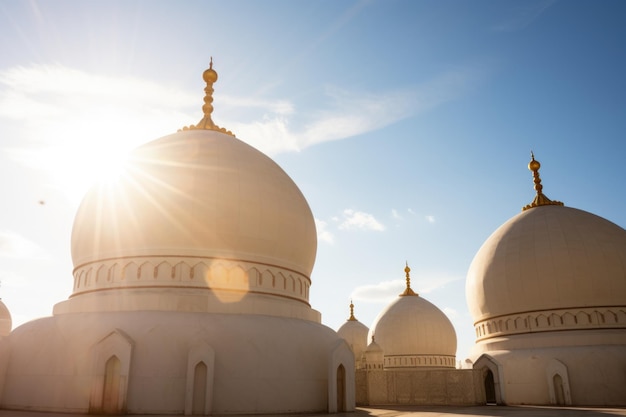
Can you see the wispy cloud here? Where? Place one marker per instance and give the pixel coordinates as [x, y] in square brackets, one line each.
[395, 214]
[74, 124]
[323, 234]
[522, 15]
[280, 126]
[64, 111]
[358, 220]
[15, 246]
[382, 292]
[386, 291]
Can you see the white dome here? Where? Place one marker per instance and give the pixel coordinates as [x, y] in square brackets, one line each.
[546, 264]
[413, 327]
[414, 333]
[196, 209]
[355, 334]
[191, 279]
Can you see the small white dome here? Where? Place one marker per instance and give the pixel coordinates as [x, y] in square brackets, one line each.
[6, 322]
[412, 325]
[373, 347]
[415, 333]
[355, 334]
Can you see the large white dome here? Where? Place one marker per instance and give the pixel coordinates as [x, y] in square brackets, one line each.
[550, 257]
[198, 193]
[191, 286]
[544, 263]
[547, 292]
[196, 209]
[548, 268]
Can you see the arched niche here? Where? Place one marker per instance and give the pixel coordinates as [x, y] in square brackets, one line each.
[341, 378]
[111, 358]
[200, 377]
[492, 373]
[558, 383]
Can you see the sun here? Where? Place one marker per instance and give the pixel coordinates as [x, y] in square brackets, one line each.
[85, 158]
[110, 166]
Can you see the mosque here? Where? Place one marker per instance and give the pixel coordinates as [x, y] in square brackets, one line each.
[191, 296]
[547, 292]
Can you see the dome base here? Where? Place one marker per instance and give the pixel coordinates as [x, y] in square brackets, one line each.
[167, 363]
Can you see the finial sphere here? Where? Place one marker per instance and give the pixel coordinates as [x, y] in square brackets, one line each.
[209, 76]
[534, 165]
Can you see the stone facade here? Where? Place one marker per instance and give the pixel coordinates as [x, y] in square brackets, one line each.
[461, 387]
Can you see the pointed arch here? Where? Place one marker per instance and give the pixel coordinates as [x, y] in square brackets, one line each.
[88, 278]
[112, 385]
[216, 275]
[181, 272]
[146, 271]
[163, 270]
[101, 273]
[558, 383]
[254, 277]
[267, 279]
[490, 388]
[491, 371]
[556, 320]
[282, 280]
[341, 378]
[200, 376]
[199, 389]
[112, 273]
[238, 278]
[78, 279]
[569, 319]
[111, 358]
[583, 318]
[341, 389]
[130, 271]
[541, 321]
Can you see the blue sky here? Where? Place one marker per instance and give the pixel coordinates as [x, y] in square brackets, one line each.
[407, 124]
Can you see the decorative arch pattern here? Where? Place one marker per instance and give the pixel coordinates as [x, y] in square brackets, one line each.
[197, 273]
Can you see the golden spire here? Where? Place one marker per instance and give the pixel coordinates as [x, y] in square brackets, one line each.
[540, 199]
[209, 76]
[352, 318]
[408, 290]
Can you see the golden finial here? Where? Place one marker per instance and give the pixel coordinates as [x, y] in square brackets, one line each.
[209, 76]
[540, 199]
[408, 290]
[352, 318]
